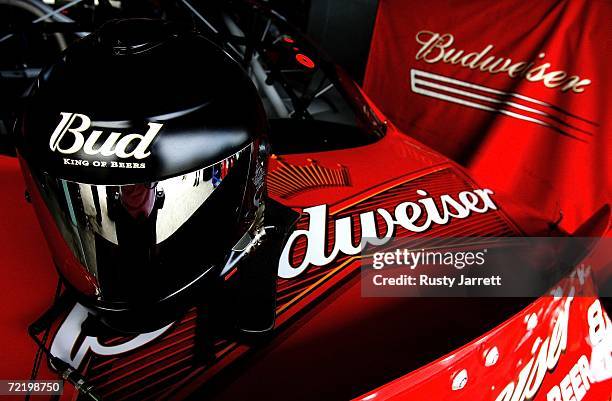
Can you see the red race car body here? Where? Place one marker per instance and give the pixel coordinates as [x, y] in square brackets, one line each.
[330, 342]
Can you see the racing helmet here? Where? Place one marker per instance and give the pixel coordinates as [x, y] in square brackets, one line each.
[144, 153]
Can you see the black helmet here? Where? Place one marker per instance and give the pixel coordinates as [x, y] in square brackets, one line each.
[144, 151]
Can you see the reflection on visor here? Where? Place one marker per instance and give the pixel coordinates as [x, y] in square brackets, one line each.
[128, 225]
[183, 195]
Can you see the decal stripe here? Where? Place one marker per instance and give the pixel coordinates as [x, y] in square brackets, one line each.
[495, 105]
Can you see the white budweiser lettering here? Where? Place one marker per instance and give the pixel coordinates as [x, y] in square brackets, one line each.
[545, 357]
[406, 215]
[68, 138]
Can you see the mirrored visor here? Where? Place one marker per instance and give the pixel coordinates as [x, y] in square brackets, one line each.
[142, 242]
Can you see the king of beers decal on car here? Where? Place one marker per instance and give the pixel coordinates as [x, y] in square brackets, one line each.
[72, 136]
[406, 215]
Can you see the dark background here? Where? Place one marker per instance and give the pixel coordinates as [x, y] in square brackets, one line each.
[343, 28]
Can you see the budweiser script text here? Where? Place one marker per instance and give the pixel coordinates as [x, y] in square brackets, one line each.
[436, 48]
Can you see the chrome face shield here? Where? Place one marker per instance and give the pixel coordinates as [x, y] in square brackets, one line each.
[143, 242]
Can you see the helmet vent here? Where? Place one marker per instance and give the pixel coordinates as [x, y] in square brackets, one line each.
[135, 36]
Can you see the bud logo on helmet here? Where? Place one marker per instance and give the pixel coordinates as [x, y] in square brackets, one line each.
[68, 138]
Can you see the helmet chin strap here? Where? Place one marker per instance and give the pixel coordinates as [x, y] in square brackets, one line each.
[253, 237]
[244, 247]
[255, 259]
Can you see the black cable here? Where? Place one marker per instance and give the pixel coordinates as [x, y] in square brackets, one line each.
[64, 369]
[68, 373]
[39, 352]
